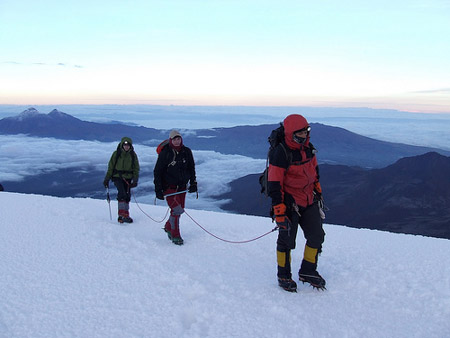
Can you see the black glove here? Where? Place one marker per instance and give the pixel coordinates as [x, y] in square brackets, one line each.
[160, 195]
[106, 182]
[319, 199]
[284, 224]
[193, 187]
[133, 183]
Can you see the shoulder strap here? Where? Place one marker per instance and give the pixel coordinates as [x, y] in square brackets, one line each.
[173, 162]
[288, 154]
[264, 177]
[133, 157]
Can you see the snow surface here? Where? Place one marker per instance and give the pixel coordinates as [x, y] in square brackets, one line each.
[68, 271]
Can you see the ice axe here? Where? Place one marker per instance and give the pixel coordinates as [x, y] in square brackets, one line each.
[173, 194]
[108, 199]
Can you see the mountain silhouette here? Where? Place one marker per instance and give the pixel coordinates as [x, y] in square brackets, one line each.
[66, 127]
[335, 145]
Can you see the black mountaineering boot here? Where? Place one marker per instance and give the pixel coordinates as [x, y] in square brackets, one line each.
[284, 271]
[125, 219]
[309, 274]
[308, 270]
[177, 240]
[287, 284]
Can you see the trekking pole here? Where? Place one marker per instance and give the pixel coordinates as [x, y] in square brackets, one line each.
[108, 199]
[175, 193]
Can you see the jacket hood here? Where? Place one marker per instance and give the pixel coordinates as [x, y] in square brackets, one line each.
[291, 124]
[125, 139]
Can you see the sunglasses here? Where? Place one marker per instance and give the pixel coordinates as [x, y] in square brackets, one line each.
[304, 130]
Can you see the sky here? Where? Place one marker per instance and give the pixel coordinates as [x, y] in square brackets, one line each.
[67, 273]
[383, 54]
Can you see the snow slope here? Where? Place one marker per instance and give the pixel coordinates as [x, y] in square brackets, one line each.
[68, 271]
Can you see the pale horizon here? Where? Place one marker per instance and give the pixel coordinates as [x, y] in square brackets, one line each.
[379, 55]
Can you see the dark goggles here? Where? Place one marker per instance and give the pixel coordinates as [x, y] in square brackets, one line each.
[306, 129]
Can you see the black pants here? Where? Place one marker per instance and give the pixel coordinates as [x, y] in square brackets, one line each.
[311, 223]
[123, 189]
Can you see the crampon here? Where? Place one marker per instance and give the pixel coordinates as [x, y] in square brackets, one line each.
[314, 279]
[287, 284]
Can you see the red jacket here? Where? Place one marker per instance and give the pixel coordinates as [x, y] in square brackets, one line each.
[296, 174]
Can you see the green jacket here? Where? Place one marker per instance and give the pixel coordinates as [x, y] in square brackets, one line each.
[123, 163]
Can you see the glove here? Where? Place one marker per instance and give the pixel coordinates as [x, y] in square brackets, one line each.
[133, 183]
[279, 211]
[106, 182]
[160, 195]
[193, 187]
[280, 216]
[319, 199]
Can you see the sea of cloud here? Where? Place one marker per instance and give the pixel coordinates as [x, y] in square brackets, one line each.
[24, 156]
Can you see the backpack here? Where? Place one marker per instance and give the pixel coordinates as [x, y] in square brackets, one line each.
[275, 138]
[161, 146]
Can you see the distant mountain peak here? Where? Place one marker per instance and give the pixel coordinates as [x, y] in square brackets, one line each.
[30, 112]
[55, 113]
[428, 161]
[34, 113]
